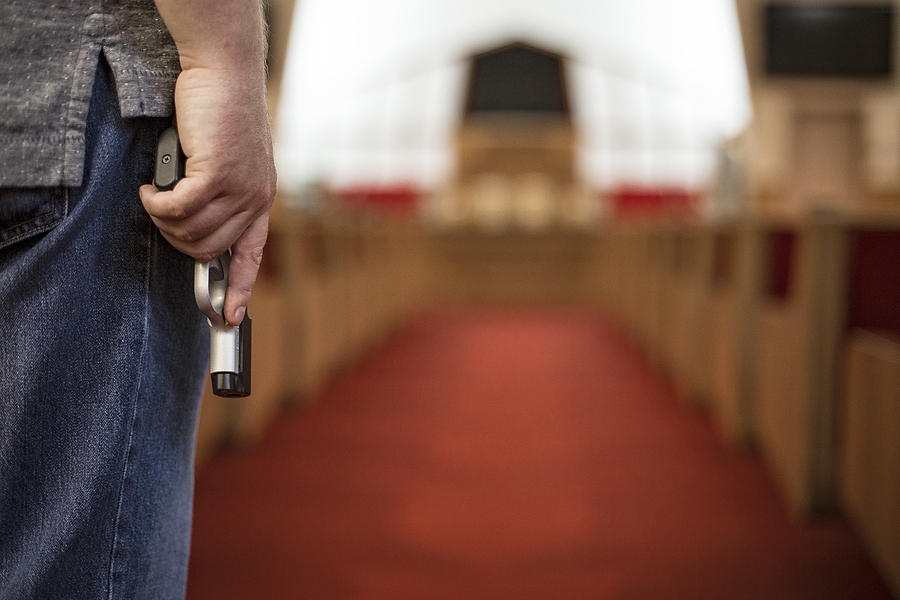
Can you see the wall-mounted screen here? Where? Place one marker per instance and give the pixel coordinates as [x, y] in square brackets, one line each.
[829, 40]
[517, 78]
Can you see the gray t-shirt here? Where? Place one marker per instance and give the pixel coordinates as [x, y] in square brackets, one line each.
[49, 50]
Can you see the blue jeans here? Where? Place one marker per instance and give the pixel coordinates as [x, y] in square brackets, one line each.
[102, 360]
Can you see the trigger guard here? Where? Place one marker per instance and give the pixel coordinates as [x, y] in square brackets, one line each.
[209, 291]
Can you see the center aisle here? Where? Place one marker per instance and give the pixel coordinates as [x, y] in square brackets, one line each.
[492, 455]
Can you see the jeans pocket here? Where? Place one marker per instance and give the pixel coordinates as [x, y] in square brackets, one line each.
[26, 212]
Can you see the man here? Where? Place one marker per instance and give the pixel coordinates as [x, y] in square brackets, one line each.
[102, 350]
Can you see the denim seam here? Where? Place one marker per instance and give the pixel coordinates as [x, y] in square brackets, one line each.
[134, 409]
[29, 232]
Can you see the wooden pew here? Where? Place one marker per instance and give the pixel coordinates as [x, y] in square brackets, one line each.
[270, 361]
[869, 435]
[304, 256]
[631, 276]
[799, 336]
[686, 308]
[870, 452]
[657, 255]
[733, 321]
[355, 279]
[331, 286]
[773, 304]
[507, 267]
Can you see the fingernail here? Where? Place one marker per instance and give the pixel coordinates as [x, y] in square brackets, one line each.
[240, 315]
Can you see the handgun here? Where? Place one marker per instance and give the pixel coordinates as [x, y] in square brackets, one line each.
[229, 345]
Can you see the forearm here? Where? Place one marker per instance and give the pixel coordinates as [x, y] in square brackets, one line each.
[222, 48]
[216, 33]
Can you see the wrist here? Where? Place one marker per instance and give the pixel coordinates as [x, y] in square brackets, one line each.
[237, 57]
[217, 34]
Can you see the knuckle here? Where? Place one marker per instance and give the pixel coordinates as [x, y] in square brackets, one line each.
[251, 255]
[206, 254]
[177, 211]
[261, 200]
[264, 195]
[186, 235]
[256, 254]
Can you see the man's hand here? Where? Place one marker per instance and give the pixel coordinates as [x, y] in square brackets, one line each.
[220, 103]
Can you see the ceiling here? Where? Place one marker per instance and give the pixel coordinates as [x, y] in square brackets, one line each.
[373, 91]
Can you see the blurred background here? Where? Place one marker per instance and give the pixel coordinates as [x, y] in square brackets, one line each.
[652, 88]
[599, 215]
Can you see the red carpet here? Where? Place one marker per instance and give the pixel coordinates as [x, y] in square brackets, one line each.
[507, 455]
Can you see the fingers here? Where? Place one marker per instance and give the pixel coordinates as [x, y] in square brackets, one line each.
[187, 198]
[229, 184]
[206, 231]
[183, 217]
[246, 256]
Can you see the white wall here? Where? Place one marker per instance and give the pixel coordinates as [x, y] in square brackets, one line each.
[373, 89]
